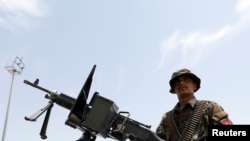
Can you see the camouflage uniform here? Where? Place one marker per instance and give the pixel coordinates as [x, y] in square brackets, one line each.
[213, 114]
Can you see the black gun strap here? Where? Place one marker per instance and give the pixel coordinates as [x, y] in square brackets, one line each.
[191, 124]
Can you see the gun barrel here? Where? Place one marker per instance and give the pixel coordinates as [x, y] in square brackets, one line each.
[36, 86]
[60, 99]
[65, 101]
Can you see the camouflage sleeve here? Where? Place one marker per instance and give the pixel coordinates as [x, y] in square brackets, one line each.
[217, 115]
[160, 130]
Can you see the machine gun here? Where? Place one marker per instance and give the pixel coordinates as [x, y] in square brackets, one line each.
[99, 117]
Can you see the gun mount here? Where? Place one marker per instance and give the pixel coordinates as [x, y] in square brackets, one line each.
[99, 117]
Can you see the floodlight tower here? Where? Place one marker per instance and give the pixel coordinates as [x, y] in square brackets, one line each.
[15, 69]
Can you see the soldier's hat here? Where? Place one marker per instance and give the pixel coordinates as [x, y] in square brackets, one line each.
[184, 72]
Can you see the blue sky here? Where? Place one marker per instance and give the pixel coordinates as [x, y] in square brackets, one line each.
[136, 46]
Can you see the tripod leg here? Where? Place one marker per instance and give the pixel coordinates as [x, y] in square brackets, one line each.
[38, 113]
[45, 123]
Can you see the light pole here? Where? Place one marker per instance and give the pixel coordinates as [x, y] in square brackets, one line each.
[15, 69]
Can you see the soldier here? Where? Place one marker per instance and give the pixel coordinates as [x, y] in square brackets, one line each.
[190, 118]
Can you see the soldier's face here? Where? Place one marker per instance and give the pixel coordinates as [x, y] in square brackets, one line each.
[184, 85]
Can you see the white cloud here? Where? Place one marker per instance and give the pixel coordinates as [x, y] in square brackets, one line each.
[195, 45]
[20, 13]
[243, 5]
[167, 47]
